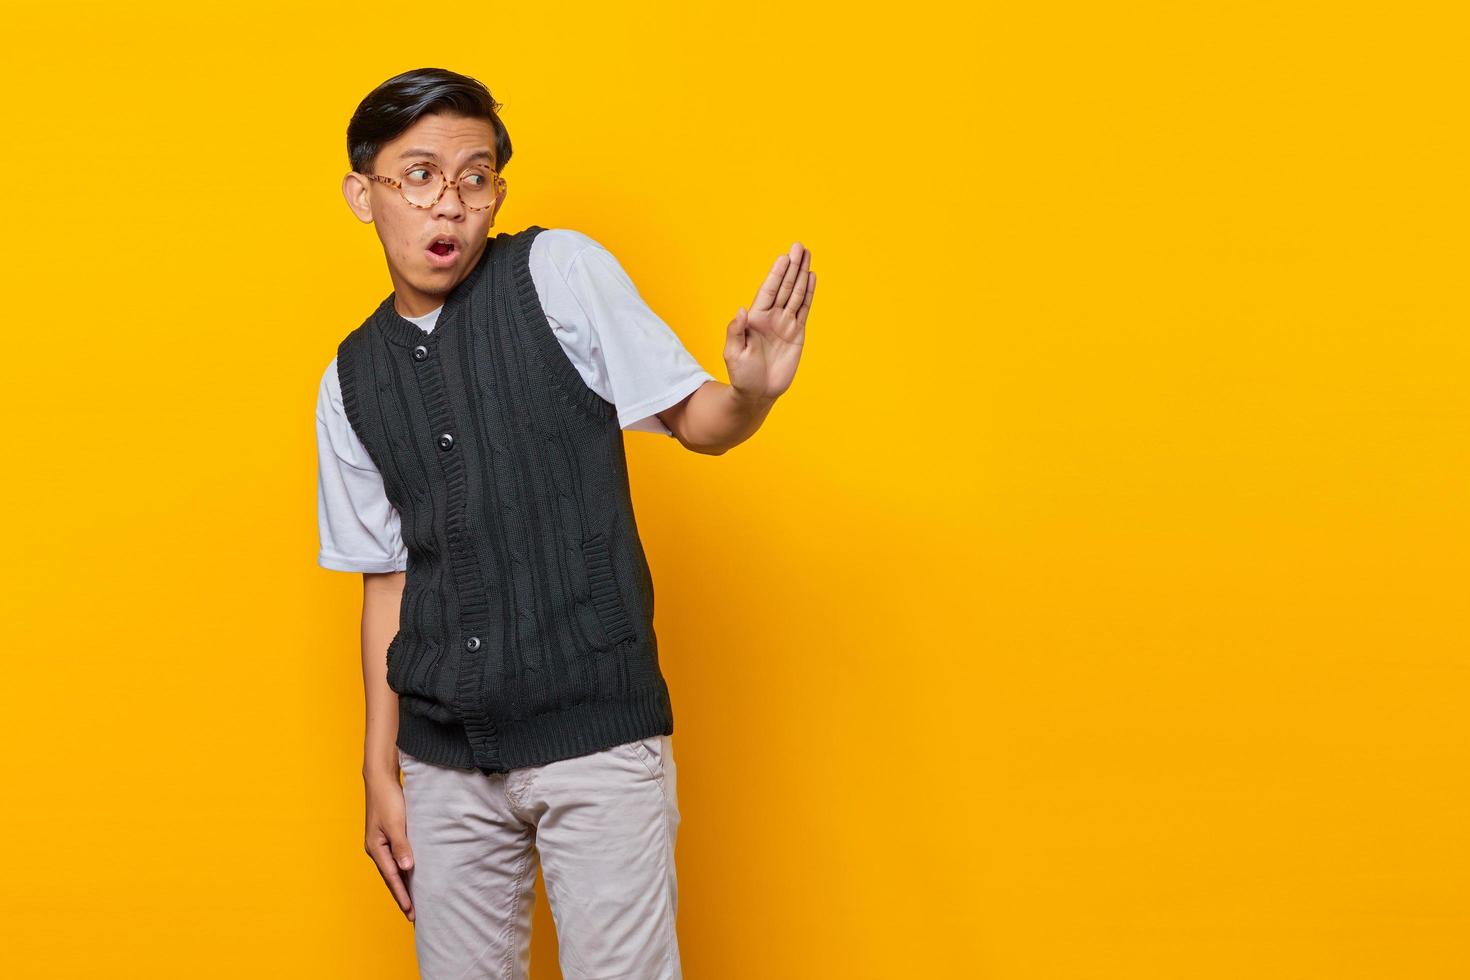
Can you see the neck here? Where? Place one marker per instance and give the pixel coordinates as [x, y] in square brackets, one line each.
[409, 302]
[417, 305]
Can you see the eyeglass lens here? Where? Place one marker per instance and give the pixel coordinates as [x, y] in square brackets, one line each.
[421, 185]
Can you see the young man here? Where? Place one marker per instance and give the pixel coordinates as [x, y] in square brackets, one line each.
[471, 467]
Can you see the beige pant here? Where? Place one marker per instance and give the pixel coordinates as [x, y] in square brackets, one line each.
[603, 826]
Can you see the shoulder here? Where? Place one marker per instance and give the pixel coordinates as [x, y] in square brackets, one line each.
[349, 345]
[556, 249]
[345, 357]
[329, 391]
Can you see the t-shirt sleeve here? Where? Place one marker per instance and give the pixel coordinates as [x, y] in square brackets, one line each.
[647, 367]
[358, 527]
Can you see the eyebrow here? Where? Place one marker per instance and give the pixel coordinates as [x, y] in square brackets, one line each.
[416, 152]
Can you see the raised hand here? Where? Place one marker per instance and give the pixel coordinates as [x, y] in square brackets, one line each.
[763, 344]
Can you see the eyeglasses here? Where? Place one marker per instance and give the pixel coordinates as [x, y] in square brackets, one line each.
[423, 185]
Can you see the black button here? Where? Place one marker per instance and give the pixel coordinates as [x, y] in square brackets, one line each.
[472, 644]
[446, 441]
[420, 352]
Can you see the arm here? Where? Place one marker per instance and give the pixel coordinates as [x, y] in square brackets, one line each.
[762, 348]
[382, 594]
[715, 417]
[359, 533]
[386, 836]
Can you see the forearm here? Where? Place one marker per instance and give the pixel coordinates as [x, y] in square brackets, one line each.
[381, 597]
[718, 417]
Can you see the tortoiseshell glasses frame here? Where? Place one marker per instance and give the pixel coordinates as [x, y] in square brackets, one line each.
[497, 183]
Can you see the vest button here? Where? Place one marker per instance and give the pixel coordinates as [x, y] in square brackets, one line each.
[446, 441]
[420, 352]
[472, 644]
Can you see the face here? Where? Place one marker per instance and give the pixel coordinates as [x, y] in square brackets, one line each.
[422, 278]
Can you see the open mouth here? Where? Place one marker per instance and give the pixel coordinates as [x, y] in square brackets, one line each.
[443, 250]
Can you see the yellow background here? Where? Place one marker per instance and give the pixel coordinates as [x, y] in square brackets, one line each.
[1094, 605]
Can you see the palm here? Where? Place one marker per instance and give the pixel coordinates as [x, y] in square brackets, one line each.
[763, 344]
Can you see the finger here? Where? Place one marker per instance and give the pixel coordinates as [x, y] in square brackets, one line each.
[735, 333]
[737, 325]
[382, 856]
[397, 887]
[793, 268]
[766, 295]
[402, 853]
[798, 290]
[806, 303]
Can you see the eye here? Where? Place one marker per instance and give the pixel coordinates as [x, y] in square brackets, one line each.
[476, 180]
[419, 170]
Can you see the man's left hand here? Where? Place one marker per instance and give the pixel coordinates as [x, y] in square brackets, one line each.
[763, 344]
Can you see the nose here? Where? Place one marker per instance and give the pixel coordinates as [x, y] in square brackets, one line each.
[449, 206]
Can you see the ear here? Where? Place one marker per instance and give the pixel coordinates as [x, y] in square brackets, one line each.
[498, 202]
[355, 190]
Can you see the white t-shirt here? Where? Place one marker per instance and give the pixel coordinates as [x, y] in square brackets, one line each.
[621, 348]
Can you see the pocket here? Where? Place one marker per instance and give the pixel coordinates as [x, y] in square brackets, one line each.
[650, 751]
[602, 584]
[413, 664]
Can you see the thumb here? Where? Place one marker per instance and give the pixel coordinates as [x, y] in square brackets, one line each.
[735, 332]
[402, 853]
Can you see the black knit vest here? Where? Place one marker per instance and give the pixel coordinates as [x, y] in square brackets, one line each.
[526, 630]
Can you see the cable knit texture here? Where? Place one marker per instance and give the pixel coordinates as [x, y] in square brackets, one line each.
[526, 629]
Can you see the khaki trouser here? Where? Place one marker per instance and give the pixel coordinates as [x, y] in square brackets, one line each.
[603, 826]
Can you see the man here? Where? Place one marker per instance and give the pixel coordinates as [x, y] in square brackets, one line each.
[471, 467]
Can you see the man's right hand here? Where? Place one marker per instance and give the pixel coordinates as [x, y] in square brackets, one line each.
[386, 840]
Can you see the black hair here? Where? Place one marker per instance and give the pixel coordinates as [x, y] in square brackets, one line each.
[402, 100]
